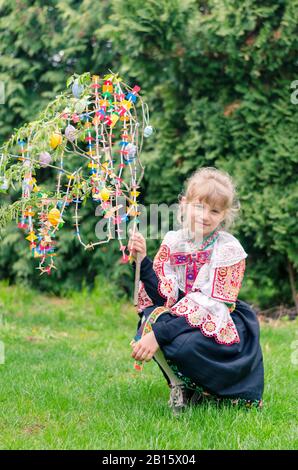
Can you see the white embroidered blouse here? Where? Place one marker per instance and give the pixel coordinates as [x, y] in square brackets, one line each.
[210, 275]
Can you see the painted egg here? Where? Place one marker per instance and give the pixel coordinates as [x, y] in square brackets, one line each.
[77, 89]
[148, 131]
[55, 140]
[104, 194]
[131, 149]
[70, 133]
[54, 216]
[44, 159]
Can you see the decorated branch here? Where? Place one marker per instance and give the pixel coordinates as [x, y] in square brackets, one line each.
[91, 137]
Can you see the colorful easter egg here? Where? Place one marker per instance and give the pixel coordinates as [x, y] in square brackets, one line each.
[77, 89]
[104, 194]
[44, 159]
[70, 133]
[131, 149]
[54, 216]
[55, 140]
[148, 131]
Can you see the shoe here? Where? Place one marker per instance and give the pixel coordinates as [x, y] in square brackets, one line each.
[179, 398]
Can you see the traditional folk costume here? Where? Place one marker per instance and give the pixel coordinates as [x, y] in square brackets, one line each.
[208, 339]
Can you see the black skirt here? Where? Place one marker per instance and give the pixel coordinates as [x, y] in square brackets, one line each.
[226, 371]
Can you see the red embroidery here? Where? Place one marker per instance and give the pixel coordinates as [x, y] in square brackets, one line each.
[227, 282]
[227, 334]
[193, 263]
[210, 326]
[143, 298]
[166, 286]
[198, 316]
[161, 257]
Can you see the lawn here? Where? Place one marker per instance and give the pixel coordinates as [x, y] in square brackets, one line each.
[68, 382]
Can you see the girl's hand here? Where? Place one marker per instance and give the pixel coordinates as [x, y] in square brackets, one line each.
[145, 348]
[137, 244]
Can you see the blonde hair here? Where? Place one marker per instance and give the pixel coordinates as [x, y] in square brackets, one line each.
[216, 188]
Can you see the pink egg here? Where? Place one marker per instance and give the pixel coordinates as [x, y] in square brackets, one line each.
[44, 159]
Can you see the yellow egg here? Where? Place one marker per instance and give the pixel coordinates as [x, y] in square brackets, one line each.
[54, 216]
[104, 194]
[55, 140]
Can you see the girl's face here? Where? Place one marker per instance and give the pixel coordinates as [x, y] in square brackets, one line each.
[203, 218]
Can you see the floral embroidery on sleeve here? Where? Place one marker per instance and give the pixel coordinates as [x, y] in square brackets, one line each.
[227, 282]
[167, 279]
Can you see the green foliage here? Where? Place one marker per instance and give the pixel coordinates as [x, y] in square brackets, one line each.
[217, 77]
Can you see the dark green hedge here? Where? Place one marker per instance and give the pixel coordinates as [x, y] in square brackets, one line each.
[217, 76]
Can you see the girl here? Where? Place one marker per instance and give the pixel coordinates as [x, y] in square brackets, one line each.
[205, 341]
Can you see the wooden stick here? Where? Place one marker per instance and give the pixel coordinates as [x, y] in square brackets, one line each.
[137, 279]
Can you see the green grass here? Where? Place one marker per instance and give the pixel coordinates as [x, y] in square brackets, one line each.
[68, 383]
